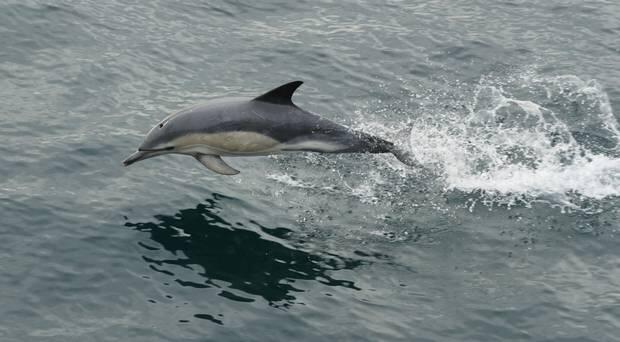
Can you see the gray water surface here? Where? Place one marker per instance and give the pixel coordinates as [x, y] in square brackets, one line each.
[509, 233]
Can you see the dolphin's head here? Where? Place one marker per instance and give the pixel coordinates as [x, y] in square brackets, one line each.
[158, 141]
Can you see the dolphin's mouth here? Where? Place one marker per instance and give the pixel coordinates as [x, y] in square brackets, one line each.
[135, 157]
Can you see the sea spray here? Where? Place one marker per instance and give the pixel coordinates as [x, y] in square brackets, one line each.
[514, 146]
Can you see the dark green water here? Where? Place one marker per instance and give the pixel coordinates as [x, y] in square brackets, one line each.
[512, 234]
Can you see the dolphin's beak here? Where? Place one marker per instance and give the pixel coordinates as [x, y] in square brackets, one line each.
[143, 153]
[136, 157]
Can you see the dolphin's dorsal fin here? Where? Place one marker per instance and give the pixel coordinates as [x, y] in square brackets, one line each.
[281, 95]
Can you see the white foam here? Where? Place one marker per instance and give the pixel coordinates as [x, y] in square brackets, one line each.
[597, 179]
[510, 148]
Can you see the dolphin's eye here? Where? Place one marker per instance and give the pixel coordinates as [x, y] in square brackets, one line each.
[161, 125]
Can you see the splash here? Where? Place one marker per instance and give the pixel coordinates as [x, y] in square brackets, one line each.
[525, 139]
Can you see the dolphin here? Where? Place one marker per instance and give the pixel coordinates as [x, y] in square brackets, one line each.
[268, 124]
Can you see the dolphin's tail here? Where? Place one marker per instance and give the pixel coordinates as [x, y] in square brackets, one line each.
[404, 156]
[377, 145]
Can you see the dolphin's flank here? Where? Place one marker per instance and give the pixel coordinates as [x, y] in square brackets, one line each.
[268, 124]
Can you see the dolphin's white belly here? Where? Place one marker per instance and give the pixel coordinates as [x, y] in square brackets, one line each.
[241, 143]
[227, 143]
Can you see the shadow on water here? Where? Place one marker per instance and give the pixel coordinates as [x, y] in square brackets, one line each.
[250, 261]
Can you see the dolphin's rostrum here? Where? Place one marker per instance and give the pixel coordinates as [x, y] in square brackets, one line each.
[268, 124]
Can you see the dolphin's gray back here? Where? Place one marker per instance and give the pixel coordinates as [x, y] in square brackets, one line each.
[282, 122]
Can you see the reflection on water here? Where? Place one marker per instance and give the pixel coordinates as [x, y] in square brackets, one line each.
[251, 262]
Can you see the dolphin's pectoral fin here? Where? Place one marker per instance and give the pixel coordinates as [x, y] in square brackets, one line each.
[216, 164]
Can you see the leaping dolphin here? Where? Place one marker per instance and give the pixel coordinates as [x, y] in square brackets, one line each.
[268, 124]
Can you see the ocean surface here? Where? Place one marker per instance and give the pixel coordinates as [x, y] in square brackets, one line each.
[510, 231]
